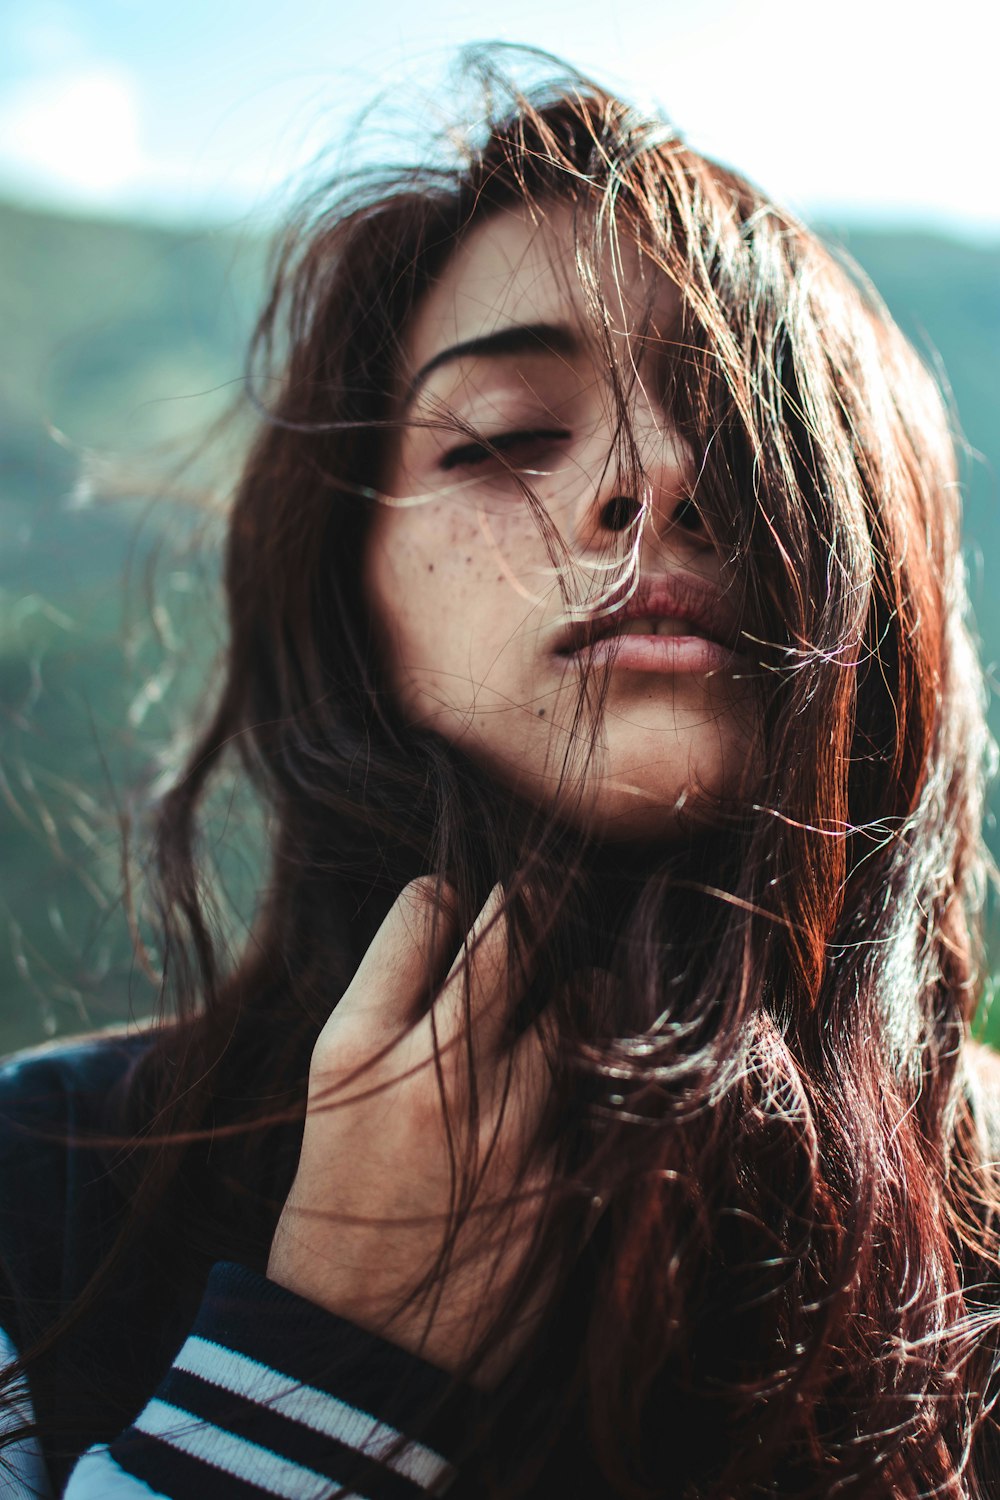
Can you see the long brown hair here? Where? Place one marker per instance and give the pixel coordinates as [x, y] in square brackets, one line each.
[773, 1230]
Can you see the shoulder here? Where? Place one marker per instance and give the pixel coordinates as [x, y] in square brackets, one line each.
[52, 1098]
[58, 1118]
[59, 1079]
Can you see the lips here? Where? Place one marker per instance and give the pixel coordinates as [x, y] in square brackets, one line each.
[679, 604]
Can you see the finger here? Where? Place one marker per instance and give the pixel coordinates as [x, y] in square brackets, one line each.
[403, 961]
[514, 1134]
[531, 1067]
[477, 993]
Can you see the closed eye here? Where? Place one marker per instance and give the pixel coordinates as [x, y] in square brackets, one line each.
[525, 447]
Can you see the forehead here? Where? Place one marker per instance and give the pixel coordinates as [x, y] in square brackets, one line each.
[511, 269]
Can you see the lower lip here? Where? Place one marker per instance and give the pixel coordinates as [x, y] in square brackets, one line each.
[672, 654]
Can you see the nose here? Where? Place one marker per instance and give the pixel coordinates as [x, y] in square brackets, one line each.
[623, 511]
[654, 495]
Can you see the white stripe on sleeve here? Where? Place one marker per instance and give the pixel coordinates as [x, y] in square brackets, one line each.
[312, 1408]
[234, 1455]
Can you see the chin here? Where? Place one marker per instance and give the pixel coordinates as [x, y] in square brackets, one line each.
[625, 810]
[638, 793]
[618, 822]
[671, 788]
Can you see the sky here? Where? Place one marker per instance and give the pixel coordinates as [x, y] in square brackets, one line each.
[212, 109]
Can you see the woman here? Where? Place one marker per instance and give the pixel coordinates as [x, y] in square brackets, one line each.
[592, 1106]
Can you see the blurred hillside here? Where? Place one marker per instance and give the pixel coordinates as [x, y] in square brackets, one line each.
[128, 342]
[123, 345]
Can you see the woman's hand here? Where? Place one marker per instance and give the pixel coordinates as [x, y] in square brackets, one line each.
[372, 1202]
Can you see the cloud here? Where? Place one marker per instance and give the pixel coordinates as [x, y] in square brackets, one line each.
[78, 131]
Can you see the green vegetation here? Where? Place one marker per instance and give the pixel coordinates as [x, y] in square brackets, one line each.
[123, 344]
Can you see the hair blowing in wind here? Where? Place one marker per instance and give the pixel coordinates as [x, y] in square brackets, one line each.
[765, 1257]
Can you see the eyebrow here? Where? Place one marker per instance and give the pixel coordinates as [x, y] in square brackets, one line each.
[518, 338]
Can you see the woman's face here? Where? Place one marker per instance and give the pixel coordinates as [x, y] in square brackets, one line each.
[490, 609]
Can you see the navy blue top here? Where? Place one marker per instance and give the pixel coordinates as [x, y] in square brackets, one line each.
[191, 1379]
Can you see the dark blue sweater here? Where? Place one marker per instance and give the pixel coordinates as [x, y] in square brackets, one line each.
[187, 1379]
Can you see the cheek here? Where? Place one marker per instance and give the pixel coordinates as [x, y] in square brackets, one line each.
[411, 561]
[441, 599]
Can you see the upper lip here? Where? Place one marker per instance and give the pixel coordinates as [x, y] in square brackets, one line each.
[685, 597]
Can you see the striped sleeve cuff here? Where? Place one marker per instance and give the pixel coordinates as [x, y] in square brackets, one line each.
[270, 1395]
